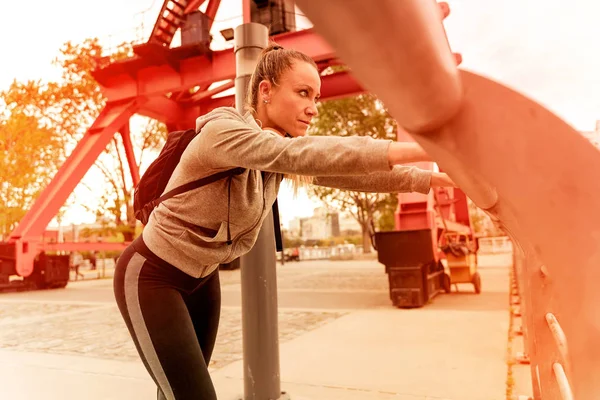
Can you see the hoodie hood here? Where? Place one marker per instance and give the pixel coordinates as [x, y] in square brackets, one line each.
[228, 112]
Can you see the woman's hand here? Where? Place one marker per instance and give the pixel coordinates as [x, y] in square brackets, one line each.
[406, 152]
[440, 179]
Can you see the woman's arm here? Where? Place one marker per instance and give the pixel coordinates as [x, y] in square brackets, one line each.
[227, 140]
[401, 179]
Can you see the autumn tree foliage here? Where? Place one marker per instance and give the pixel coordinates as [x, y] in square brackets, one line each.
[30, 154]
[68, 107]
[363, 115]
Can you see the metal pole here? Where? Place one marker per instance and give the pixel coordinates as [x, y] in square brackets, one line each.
[258, 274]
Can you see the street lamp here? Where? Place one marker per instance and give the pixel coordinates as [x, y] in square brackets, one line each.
[227, 34]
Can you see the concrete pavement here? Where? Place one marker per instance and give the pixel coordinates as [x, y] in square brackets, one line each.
[453, 348]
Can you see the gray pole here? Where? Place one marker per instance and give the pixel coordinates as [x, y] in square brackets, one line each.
[259, 278]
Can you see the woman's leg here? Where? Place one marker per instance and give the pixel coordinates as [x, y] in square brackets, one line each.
[158, 320]
[204, 306]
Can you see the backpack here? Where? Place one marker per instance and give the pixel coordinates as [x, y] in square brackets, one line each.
[149, 191]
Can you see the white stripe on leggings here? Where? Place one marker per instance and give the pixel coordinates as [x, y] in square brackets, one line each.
[134, 309]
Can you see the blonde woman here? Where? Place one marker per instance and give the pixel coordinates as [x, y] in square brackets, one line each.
[167, 282]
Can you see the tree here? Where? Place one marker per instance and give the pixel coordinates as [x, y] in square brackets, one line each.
[70, 107]
[81, 99]
[363, 115]
[31, 155]
[115, 205]
[481, 222]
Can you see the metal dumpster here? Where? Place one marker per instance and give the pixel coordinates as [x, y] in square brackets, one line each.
[415, 274]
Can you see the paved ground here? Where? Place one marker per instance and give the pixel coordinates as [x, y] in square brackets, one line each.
[339, 310]
[83, 320]
[98, 330]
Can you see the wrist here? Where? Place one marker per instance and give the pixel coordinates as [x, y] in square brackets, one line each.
[440, 179]
[435, 179]
[406, 152]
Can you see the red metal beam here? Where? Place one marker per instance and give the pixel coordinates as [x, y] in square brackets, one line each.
[203, 70]
[168, 21]
[201, 96]
[211, 11]
[502, 149]
[33, 224]
[247, 16]
[161, 108]
[193, 5]
[334, 86]
[128, 146]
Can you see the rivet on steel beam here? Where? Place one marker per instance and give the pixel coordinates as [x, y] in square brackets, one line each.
[544, 271]
[522, 358]
[519, 331]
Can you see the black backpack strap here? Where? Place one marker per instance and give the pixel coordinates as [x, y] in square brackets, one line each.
[194, 185]
[199, 183]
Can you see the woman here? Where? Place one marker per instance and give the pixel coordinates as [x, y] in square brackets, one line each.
[167, 282]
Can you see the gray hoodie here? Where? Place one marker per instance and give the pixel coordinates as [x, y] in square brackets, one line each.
[189, 231]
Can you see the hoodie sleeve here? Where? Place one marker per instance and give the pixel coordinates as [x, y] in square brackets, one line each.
[401, 179]
[227, 142]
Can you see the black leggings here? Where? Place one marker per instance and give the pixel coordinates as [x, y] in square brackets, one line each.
[173, 319]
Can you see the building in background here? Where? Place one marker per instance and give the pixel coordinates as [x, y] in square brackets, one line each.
[316, 227]
[75, 233]
[323, 224]
[348, 225]
[293, 229]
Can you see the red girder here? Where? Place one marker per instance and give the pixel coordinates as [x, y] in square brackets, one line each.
[128, 146]
[334, 86]
[194, 5]
[161, 108]
[185, 112]
[125, 81]
[211, 11]
[142, 87]
[198, 97]
[155, 84]
[31, 227]
[246, 11]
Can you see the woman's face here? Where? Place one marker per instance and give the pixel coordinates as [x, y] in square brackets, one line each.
[291, 104]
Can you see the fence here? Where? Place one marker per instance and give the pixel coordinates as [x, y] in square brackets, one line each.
[495, 245]
[105, 268]
[325, 253]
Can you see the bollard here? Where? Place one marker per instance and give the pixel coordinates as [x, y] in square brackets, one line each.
[258, 268]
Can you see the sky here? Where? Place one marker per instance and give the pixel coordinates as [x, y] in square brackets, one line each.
[547, 50]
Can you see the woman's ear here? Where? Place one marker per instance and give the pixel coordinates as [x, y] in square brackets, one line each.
[264, 91]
